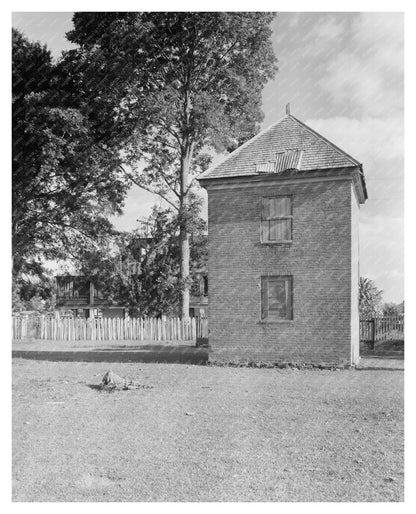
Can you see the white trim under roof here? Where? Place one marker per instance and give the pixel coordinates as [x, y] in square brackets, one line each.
[248, 181]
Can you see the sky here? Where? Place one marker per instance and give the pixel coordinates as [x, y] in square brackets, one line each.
[343, 74]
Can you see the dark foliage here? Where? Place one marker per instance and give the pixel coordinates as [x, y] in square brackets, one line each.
[64, 185]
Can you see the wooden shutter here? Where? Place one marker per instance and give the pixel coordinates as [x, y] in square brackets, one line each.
[265, 209]
[289, 305]
[280, 206]
[264, 298]
[276, 219]
[287, 229]
[265, 215]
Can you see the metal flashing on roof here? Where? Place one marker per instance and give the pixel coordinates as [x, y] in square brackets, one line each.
[266, 167]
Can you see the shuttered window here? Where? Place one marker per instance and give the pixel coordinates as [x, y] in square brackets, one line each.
[276, 220]
[276, 298]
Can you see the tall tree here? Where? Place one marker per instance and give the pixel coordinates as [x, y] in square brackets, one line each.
[64, 186]
[161, 89]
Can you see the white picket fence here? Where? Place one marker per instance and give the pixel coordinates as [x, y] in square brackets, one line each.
[107, 329]
[382, 328]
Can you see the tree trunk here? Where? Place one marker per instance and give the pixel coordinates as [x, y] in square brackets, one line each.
[186, 159]
[184, 237]
[184, 234]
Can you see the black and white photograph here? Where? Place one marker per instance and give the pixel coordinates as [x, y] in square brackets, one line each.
[207, 255]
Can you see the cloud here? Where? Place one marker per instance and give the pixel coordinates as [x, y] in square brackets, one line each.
[381, 253]
[377, 142]
[310, 33]
[368, 73]
[369, 140]
[383, 33]
[381, 226]
[294, 19]
[393, 274]
[328, 28]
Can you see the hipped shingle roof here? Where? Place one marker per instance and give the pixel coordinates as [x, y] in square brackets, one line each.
[287, 134]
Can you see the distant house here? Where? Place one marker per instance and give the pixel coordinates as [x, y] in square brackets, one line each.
[283, 249]
[77, 295]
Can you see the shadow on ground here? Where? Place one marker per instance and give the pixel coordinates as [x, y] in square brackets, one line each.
[95, 387]
[383, 350]
[389, 356]
[148, 353]
[386, 355]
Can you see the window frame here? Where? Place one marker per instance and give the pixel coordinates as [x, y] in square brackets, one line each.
[269, 219]
[265, 315]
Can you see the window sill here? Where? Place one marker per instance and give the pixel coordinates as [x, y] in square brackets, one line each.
[276, 243]
[275, 321]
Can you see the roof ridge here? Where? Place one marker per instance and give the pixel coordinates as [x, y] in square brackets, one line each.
[241, 147]
[325, 140]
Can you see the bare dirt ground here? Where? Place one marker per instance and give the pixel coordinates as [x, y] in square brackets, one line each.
[205, 433]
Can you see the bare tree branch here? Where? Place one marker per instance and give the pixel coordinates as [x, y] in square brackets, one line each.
[169, 184]
[131, 177]
[139, 184]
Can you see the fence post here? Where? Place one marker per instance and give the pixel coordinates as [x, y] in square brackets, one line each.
[373, 332]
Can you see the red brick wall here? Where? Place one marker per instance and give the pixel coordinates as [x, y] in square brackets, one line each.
[319, 259]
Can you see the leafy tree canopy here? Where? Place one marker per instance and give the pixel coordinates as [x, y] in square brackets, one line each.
[181, 78]
[369, 297]
[64, 186]
[34, 290]
[393, 309]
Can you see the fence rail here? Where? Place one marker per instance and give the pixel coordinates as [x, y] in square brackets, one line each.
[107, 329]
[385, 328]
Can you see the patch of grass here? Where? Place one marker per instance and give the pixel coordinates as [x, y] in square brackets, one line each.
[396, 346]
[206, 433]
[381, 347]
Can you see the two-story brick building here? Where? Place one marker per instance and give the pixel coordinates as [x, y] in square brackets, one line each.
[283, 249]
